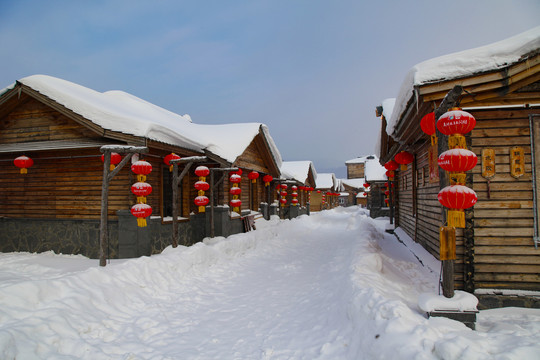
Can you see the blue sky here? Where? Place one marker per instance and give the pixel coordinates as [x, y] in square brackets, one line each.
[313, 71]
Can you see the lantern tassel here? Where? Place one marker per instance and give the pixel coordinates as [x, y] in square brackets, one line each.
[457, 141]
[171, 168]
[141, 178]
[141, 200]
[202, 209]
[112, 167]
[403, 167]
[141, 222]
[456, 218]
[24, 171]
[433, 140]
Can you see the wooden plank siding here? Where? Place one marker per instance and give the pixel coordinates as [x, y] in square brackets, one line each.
[503, 224]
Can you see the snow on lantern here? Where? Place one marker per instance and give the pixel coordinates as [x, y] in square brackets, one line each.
[23, 163]
[168, 158]
[427, 124]
[235, 204]
[201, 201]
[115, 160]
[141, 190]
[267, 179]
[283, 201]
[253, 176]
[202, 172]
[456, 123]
[141, 168]
[403, 158]
[457, 198]
[457, 161]
[294, 195]
[391, 165]
[235, 179]
[141, 212]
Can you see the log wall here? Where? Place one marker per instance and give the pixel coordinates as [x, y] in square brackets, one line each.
[505, 256]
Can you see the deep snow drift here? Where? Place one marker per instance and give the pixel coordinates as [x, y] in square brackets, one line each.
[332, 285]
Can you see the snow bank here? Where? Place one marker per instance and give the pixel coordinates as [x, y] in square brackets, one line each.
[332, 285]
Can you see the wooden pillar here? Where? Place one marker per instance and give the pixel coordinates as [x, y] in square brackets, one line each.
[448, 265]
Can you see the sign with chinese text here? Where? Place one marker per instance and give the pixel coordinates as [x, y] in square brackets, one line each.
[488, 163]
[517, 162]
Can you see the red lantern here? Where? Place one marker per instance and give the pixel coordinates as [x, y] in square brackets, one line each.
[141, 190]
[456, 123]
[283, 201]
[457, 160]
[235, 191]
[141, 168]
[115, 160]
[427, 124]
[201, 201]
[235, 203]
[267, 179]
[235, 178]
[391, 165]
[202, 171]
[294, 201]
[141, 212]
[366, 185]
[386, 201]
[202, 185]
[283, 193]
[253, 176]
[365, 194]
[23, 163]
[284, 186]
[387, 192]
[294, 188]
[237, 172]
[457, 198]
[403, 158]
[168, 158]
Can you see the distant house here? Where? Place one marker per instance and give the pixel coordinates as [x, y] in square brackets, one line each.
[62, 125]
[354, 190]
[300, 174]
[499, 84]
[322, 198]
[376, 178]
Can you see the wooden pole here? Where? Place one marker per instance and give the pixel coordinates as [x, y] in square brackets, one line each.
[449, 101]
[212, 170]
[177, 179]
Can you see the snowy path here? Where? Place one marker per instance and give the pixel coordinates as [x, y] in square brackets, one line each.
[329, 286]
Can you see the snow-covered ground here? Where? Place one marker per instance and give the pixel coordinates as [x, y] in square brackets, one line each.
[332, 285]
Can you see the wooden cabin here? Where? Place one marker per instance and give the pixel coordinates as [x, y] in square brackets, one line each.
[61, 126]
[353, 188]
[496, 252]
[300, 174]
[326, 183]
[376, 178]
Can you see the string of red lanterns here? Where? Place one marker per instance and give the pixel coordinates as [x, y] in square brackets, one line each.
[141, 189]
[457, 197]
[201, 200]
[235, 178]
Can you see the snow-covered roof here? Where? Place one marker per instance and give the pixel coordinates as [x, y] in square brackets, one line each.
[122, 112]
[374, 171]
[388, 107]
[358, 160]
[298, 170]
[464, 63]
[326, 181]
[354, 183]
